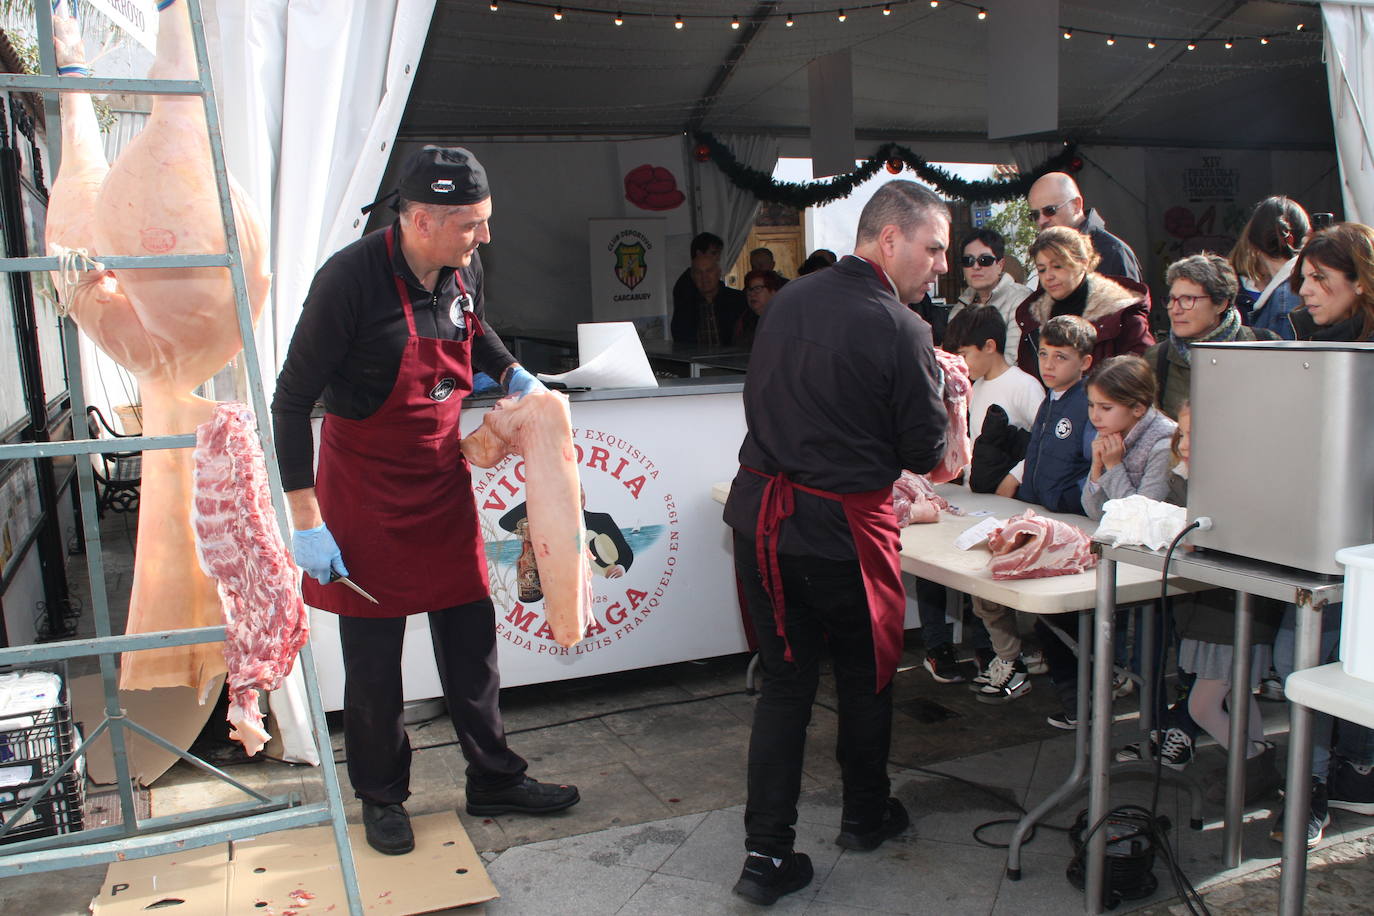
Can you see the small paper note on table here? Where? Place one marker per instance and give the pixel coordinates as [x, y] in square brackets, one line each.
[977, 534]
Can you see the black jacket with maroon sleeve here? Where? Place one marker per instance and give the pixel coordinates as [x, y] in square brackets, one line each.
[841, 395]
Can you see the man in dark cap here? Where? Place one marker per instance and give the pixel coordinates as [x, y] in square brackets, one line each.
[389, 336]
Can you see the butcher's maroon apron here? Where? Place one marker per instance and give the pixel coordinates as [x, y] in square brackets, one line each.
[877, 543]
[396, 491]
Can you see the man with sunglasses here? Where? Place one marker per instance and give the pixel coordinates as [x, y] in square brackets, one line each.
[1055, 200]
[988, 283]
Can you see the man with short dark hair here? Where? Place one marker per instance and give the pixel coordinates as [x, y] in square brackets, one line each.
[1055, 200]
[705, 246]
[388, 338]
[842, 395]
[708, 317]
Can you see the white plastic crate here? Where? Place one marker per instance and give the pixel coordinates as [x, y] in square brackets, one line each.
[1357, 616]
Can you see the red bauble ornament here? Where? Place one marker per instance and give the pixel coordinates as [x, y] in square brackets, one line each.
[1075, 164]
[702, 153]
[895, 166]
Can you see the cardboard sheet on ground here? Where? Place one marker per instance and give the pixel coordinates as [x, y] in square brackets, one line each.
[268, 874]
[171, 712]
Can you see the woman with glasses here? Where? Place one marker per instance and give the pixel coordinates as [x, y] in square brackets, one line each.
[1264, 257]
[988, 283]
[1117, 307]
[1201, 308]
[759, 287]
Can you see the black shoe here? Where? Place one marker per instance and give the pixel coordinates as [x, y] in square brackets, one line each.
[527, 797]
[1318, 818]
[894, 821]
[763, 883]
[388, 828]
[943, 666]
[1349, 789]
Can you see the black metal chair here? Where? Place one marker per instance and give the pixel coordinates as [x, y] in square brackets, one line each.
[117, 487]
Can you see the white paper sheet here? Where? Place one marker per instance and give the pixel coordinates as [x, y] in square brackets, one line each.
[612, 357]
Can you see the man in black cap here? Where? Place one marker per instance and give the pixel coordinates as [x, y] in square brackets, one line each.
[389, 336]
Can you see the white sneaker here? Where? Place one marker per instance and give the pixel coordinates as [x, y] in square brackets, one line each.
[1006, 681]
[1035, 662]
[1122, 685]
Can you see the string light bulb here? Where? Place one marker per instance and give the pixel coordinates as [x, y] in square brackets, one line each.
[842, 17]
[734, 23]
[934, 3]
[678, 23]
[1192, 46]
[493, 6]
[1229, 44]
[887, 9]
[982, 13]
[1264, 41]
[557, 14]
[1111, 40]
[1068, 33]
[790, 21]
[619, 19]
[1301, 26]
[1150, 44]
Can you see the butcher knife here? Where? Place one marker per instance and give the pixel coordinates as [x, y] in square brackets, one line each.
[335, 577]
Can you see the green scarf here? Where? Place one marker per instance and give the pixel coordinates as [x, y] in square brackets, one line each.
[1226, 329]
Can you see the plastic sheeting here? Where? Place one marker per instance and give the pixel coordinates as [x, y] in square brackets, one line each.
[318, 91]
[1349, 28]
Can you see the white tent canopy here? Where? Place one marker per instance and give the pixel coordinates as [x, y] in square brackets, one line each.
[1350, 74]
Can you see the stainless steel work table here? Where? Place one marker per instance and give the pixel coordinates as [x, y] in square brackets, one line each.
[1311, 593]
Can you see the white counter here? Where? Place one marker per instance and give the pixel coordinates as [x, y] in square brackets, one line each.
[647, 459]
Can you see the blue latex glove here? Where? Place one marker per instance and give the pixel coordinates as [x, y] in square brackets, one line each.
[316, 553]
[520, 383]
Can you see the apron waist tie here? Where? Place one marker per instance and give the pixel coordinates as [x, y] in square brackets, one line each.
[778, 503]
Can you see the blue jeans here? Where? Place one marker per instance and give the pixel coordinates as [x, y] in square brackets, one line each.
[1353, 742]
[935, 628]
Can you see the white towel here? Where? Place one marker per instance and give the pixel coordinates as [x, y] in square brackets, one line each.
[1140, 520]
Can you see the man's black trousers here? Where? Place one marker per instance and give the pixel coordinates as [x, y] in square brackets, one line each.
[375, 738]
[826, 606]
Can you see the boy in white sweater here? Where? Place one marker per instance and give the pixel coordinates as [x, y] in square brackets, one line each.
[979, 336]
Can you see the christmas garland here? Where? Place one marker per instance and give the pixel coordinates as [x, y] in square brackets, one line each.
[895, 157]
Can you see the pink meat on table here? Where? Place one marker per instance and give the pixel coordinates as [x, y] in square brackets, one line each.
[240, 547]
[915, 502]
[1031, 546]
[958, 447]
[538, 427]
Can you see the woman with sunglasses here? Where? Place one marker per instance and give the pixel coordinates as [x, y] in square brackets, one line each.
[1117, 307]
[988, 283]
[1201, 309]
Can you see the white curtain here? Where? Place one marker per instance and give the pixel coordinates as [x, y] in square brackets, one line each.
[311, 93]
[1349, 28]
[726, 210]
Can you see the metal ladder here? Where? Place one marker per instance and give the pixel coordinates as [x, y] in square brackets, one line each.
[133, 838]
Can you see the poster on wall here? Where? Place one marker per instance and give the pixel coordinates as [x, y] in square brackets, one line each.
[1199, 200]
[652, 174]
[627, 261]
[19, 511]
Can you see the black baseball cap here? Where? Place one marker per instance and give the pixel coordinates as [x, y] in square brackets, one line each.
[449, 175]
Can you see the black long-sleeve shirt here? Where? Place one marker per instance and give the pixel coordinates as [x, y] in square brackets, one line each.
[346, 349]
[841, 395]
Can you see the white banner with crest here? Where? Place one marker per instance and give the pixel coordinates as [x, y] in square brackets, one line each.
[629, 276]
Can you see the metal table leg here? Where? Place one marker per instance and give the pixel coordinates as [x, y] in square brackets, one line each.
[1298, 797]
[1101, 730]
[1240, 732]
[1149, 637]
[1075, 779]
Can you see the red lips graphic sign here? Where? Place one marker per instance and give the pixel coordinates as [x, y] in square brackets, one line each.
[651, 187]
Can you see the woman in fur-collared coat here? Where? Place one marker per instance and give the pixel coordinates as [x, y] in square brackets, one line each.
[1118, 308]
